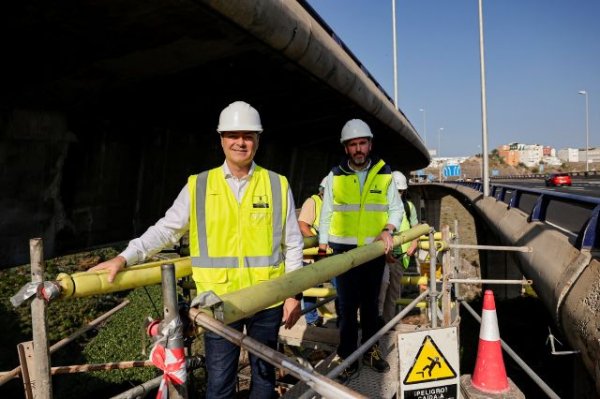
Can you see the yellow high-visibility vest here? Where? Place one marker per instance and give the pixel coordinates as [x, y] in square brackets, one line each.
[318, 205]
[236, 245]
[405, 225]
[358, 218]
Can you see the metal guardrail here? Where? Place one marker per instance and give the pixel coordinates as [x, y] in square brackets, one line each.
[582, 174]
[549, 207]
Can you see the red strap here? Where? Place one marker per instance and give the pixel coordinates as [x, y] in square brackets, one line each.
[172, 362]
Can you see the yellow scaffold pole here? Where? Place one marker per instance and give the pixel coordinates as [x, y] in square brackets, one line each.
[239, 304]
[84, 284]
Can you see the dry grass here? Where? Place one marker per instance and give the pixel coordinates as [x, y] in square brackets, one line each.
[453, 211]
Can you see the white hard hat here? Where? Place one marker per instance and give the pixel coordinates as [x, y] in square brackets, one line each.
[322, 184]
[239, 116]
[353, 129]
[399, 180]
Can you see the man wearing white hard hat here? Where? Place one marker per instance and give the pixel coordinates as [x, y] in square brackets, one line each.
[391, 283]
[360, 205]
[214, 206]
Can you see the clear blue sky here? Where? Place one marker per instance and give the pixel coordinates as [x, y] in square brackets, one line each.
[538, 55]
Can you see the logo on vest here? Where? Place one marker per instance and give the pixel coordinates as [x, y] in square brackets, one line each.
[260, 201]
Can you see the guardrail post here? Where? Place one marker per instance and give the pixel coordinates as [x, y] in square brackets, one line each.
[538, 213]
[515, 199]
[590, 233]
[42, 382]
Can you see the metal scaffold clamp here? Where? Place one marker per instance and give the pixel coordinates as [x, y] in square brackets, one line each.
[210, 300]
[47, 290]
[168, 354]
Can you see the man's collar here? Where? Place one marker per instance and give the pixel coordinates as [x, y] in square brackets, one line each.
[366, 168]
[227, 172]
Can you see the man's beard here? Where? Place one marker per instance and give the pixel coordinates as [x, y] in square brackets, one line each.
[356, 159]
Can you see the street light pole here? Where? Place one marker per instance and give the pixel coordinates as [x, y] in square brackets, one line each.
[424, 125]
[587, 130]
[480, 161]
[395, 55]
[484, 134]
[439, 152]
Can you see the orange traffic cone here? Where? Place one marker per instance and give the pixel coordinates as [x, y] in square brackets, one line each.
[489, 375]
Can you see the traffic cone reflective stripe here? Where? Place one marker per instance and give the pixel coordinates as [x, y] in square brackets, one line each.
[490, 373]
[489, 321]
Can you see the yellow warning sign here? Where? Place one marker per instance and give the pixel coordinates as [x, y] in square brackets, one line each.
[429, 365]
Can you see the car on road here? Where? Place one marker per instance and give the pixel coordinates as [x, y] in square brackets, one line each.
[558, 179]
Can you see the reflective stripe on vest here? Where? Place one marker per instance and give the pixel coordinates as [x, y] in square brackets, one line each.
[204, 260]
[358, 217]
[318, 206]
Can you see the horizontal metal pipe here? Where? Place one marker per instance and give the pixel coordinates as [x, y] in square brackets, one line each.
[88, 283]
[492, 247]
[321, 384]
[140, 391]
[439, 245]
[83, 368]
[437, 236]
[317, 305]
[319, 292]
[489, 281]
[414, 280]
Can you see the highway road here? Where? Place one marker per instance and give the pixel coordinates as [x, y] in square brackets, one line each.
[581, 186]
[567, 216]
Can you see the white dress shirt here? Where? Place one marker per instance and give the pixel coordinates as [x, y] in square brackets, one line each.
[176, 222]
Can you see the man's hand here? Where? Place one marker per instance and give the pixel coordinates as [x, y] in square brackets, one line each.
[388, 240]
[413, 248]
[291, 312]
[113, 266]
[321, 253]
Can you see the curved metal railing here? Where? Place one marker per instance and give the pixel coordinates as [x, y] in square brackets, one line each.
[551, 207]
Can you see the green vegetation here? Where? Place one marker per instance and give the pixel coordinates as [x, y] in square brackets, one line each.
[122, 338]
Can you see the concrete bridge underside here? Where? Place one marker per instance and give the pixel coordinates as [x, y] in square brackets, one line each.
[107, 107]
[566, 280]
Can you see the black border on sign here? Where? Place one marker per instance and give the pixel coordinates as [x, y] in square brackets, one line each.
[416, 357]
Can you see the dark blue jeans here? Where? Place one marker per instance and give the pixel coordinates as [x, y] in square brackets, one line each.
[313, 315]
[222, 357]
[358, 288]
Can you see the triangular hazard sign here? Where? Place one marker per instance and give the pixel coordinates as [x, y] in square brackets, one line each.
[429, 365]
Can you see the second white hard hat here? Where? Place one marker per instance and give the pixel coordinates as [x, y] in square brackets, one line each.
[399, 180]
[353, 129]
[239, 116]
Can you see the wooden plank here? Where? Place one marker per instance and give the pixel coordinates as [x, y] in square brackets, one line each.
[301, 335]
[25, 351]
